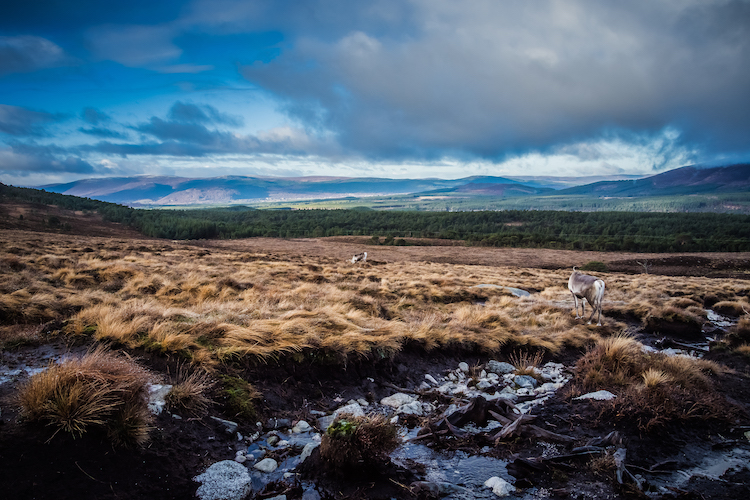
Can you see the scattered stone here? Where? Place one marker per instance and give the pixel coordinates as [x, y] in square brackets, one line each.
[225, 480]
[598, 395]
[501, 368]
[307, 451]
[413, 408]
[353, 409]
[176, 417]
[157, 397]
[363, 402]
[272, 440]
[431, 379]
[310, 494]
[525, 381]
[266, 465]
[229, 426]
[278, 497]
[279, 423]
[484, 385]
[463, 366]
[437, 488]
[397, 400]
[500, 486]
[240, 459]
[301, 427]
[282, 444]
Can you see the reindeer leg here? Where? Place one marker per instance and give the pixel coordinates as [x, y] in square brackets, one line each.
[575, 302]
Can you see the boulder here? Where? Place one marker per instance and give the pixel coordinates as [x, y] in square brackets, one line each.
[397, 400]
[501, 368]
[225, 480]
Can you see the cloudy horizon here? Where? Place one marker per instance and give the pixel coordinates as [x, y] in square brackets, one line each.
[388, 88]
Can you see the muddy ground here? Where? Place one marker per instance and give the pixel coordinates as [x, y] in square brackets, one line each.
[37, 466]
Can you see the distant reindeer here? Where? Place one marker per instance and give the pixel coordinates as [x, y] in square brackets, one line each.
[583, 286]
[359, 257]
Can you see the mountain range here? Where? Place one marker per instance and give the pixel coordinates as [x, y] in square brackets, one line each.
[156, 191]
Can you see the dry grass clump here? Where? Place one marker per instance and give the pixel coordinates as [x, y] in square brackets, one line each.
[358, 443]
[190, 391]
[100, 390]
[734, 308]
[653, 389]
[226, 304]
[527, 363]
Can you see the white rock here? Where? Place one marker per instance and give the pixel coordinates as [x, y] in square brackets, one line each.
[282, 444]
[413, 408]
[463, 366]
[598, 395]
[431, 379]
[307, 451]
[157, 394]
[547, 387]
[301, 426]
[229, 426]
[397, 400]
[363, 402]
[500, 486]
[225, 480]
[353, 409]
[240, 459]
[483, 374]
[267, 465]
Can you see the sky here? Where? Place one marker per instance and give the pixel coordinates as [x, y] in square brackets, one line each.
[380, 88]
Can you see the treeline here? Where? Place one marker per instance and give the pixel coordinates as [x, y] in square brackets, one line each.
[604, 231]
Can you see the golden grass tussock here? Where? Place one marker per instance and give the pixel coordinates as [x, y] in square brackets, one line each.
[100, 390]
[218, 303]
[653, 389]
[190, 391]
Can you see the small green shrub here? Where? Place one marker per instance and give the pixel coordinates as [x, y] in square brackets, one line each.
[239, 397]
[358, 443]
[595, 266]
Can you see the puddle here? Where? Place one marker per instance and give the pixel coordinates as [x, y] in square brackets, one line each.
[25, 362]
[713, 466]
[719, 321]
[460, 475]
[515, 291]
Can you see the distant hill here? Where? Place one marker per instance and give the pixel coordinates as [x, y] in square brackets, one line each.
[165, 191]
[469, 193]
[680, 181]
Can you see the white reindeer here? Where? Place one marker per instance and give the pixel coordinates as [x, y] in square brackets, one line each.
[583, 286]
[360, 256]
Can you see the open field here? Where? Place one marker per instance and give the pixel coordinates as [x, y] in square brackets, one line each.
[302, 324]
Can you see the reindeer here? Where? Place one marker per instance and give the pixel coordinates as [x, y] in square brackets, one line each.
[583, 286]
[359, 257]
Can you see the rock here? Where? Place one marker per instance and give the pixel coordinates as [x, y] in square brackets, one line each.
[484, 385]
[598, 395]
[353, 409]
[500, 486]
[363, 402]
[310, 494]
[431, 379]
[307, 451]
[225, 480]
[279, 423]
[547, 387]
[463, 366]
[266, 465]
[240, 459]
[325, 422]
[282, 444]
[301, 426]
[157, 394]
[413, 408]
[397, 400]
[501, 368]
[452, 377]
[483, 374]
[525, 381]
[278, 497]
[229, 426]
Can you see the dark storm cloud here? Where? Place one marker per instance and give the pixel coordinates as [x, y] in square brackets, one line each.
[488, 78]
[19, 121]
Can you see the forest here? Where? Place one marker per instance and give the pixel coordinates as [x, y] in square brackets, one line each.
[600, 231]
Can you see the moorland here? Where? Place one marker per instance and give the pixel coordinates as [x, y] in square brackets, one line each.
[265, 328]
